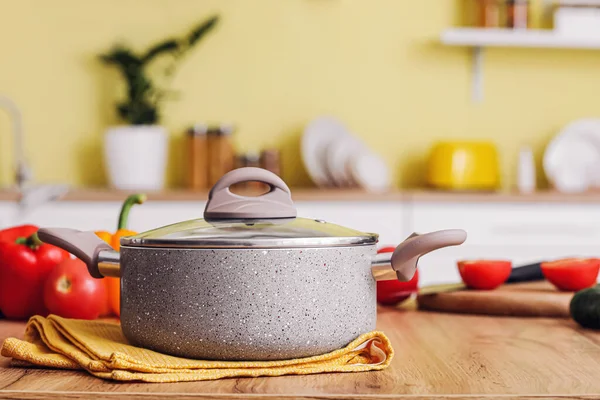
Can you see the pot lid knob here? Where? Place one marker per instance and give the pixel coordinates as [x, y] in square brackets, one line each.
[223, 204]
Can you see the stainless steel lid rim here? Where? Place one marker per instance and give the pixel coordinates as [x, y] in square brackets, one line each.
[267, 244]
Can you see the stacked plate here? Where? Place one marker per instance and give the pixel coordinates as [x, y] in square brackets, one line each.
[572, 159]
[334, 157]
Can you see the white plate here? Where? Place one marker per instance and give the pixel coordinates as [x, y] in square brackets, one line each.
[316, 138]
[339, 154]
[572, 159]
[370, 171]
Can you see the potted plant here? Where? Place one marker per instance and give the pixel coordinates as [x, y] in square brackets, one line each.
[136, 152]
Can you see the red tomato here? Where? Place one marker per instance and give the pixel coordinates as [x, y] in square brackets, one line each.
[484, 274]
[71, 292]
[572, 274]
[23, 271]
[394, 291]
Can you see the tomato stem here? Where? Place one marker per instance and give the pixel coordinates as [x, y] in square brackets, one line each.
[32, 241]
[63, 285]
[138, 198]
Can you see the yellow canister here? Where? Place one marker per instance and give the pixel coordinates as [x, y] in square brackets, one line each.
[467, 165]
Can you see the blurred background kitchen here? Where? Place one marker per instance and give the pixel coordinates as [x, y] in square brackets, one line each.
[388, 116]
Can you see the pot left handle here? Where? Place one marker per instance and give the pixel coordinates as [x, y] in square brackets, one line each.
[100, 258]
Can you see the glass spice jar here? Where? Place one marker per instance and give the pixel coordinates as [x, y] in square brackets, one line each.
[197, 157]
[221, 155]
[517, 14]
[489, 13]
[249, 159]
[270, 160]
[253, 160]
[241, 161]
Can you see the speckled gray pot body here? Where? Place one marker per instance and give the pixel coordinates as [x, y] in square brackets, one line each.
[247, 304]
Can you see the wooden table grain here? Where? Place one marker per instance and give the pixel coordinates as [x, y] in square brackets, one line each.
[440, 356]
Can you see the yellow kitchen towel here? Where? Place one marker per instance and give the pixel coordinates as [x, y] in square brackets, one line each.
[101, 349]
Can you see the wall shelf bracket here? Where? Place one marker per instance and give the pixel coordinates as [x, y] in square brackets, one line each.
[477, 75]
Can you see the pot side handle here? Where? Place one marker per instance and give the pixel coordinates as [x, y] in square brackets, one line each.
[406, 256]
[223, 204]
[84, 245]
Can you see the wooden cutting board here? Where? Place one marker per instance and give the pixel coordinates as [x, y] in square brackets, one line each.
[530, 299]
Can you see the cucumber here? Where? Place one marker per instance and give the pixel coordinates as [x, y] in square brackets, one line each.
[585, 307]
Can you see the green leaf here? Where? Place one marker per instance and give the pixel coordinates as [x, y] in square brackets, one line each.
[122, 57]
[138, 113]
[165, 47]
[123, 110]
[143, 98]
[202, 30]
[138, 84]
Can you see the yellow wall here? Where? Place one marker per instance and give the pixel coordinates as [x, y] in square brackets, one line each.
[271, 66]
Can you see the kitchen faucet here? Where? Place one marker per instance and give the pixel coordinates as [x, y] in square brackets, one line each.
[23, 173]
[30, 194]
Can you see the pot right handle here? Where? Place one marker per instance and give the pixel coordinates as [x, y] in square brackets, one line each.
[223, 204]
[84, 245]
[407, 254]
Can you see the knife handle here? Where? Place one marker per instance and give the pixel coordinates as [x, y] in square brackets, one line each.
[526, 273]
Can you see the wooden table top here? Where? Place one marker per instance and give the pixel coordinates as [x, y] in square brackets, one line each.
[440, 356]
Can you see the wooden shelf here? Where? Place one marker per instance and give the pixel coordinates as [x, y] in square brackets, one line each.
[479, 38]
[334, 195]
[498, 37]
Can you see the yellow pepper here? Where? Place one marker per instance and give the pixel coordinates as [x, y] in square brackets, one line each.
[113, 285]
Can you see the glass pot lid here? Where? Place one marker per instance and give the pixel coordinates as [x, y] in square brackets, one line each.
[255, 233]
[265, 221]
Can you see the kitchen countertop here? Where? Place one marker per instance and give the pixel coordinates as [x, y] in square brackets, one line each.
[314, 194]
[440, 356]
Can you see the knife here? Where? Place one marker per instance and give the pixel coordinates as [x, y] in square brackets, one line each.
[524, 273]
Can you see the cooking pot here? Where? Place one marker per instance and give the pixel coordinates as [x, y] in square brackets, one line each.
[250, 281]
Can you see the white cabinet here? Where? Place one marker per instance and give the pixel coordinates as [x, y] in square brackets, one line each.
[384, 218]
[514, 224]
[102, 215]
[523, 232]
[155, 214]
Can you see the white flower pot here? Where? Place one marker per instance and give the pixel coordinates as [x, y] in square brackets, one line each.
[136, 156]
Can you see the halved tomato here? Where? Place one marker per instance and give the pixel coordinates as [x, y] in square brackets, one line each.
[572, 274]
[394, 292]
[484, 274]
